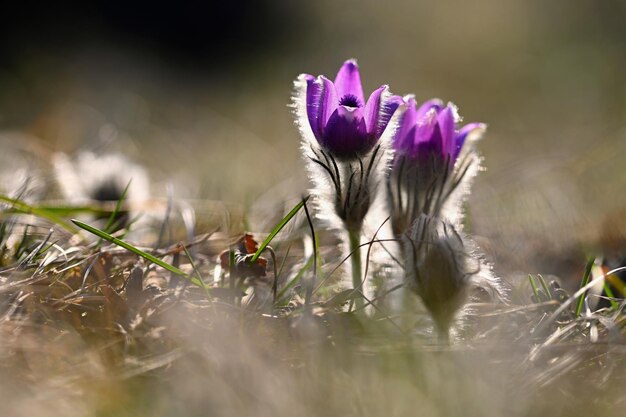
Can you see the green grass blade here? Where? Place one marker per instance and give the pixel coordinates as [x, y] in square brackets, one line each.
[25, 208]
[611, 296]
[66, 211]
[545, 287]
[138, 252]
[533, 285]
[278, 228]
[118, 207]
[23, 242]
[195, 268]
[585, 281]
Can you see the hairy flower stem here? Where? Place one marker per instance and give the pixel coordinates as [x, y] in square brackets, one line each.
[354, 237]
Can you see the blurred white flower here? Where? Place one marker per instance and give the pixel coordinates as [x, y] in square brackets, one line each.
[90, 177]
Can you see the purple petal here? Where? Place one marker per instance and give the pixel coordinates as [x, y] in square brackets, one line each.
[405, 143]
[313, 108]
[372, 109]
[321, 101]
[348, 82]
[427, 133]
[446, 121]
[388, 107]
[462, 135]
[345, 134]
[328, 101]
[405, 133]
[434, 103]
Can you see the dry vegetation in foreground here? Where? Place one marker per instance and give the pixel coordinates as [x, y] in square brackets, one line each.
[92, 328]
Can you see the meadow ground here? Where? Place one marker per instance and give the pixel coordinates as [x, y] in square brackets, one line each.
[92, 326]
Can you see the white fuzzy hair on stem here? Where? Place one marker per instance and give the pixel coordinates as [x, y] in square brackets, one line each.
[344, 189]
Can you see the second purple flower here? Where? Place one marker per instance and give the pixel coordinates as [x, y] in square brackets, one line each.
[433, 164]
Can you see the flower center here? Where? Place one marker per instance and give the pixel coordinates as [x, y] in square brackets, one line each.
[350, 100]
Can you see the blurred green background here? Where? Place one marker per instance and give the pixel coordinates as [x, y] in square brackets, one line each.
[199, 93]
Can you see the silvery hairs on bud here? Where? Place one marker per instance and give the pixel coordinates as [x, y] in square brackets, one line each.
[441, 266]
[458, 187]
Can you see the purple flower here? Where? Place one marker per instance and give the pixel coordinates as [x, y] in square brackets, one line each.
[430, 130]
[433, 165]
[343, 123]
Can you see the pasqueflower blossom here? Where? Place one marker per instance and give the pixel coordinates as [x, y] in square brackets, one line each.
[430, 132]
[346, 142]
[433, 163]
[340, 119]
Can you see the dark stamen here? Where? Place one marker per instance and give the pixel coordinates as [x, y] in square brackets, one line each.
[350, 100]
